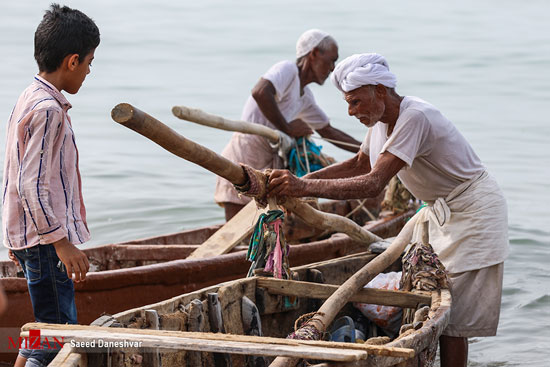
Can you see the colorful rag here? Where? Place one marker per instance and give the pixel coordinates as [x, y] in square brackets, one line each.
[268, 248]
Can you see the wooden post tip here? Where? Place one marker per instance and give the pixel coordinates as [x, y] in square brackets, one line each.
[122, 112]
[176, 111]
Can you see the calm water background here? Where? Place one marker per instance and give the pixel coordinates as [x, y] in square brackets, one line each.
[484, 64]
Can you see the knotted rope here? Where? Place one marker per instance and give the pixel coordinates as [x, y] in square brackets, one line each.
[306, 157]
[422, 269]
[304, 330]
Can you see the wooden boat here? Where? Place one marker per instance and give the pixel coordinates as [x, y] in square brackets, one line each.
[183, 325]
[184, 148]
[130, 274]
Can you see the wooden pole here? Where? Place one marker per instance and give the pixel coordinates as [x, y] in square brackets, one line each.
[146, 125]
[218, 122]
[338, 299]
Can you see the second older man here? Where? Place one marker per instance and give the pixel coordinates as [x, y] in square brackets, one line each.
[281, 100]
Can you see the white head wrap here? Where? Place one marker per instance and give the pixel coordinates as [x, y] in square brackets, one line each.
[308, 41]
[363, 69]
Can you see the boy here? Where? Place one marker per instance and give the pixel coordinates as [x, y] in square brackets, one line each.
[43, 211]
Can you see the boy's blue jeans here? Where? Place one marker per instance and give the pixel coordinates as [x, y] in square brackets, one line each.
[52, 294]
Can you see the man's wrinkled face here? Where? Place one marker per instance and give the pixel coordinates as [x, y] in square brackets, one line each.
[323, 63]
[365, 104]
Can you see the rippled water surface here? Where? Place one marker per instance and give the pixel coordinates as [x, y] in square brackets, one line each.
[484, 64]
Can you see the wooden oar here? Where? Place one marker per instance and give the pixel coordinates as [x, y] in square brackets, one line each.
[338, 299]
[148, 126]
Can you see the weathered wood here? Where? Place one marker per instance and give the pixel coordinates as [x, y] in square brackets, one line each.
[323, 291]
[230, 297]
[68, 358]
[200, 117]
[195, 323]
[328, 221]
[424, 340]
[314, 276]
[210, 342]
[146, 125]
[170, 140]
[231, 234]
[151, 357]
[338, 299]
[216, 326]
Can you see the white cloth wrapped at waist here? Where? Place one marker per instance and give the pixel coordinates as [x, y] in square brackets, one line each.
[469, 228]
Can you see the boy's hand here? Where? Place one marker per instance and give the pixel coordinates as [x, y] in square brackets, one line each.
[13, 258]
[74, 259]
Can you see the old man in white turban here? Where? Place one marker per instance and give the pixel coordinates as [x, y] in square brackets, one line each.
[467, 212]
[281, 100]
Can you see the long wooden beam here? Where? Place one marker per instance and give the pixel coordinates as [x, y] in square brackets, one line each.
[382, 297]
[338, 299]
[146, 125]
[217, 343]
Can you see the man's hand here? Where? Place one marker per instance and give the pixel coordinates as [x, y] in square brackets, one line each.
[74, 259]
[297, 128]
[13, 258]
[283, 183]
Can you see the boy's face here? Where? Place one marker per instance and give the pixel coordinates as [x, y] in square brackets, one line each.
[80, 69]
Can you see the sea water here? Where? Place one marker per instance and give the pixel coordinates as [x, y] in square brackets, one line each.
[484, 64]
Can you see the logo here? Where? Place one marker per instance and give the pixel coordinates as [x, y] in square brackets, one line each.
[34, 341]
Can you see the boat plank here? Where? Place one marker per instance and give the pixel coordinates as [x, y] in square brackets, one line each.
[323, 291]
[207, 345]
[67, 358]
[184, 340]
[230, 298]
[230, 234]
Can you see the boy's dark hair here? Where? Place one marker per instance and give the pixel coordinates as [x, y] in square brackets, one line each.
[63, 31]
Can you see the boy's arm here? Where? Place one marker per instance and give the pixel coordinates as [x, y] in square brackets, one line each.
[39, 143]
[75, 260]
[3, 301]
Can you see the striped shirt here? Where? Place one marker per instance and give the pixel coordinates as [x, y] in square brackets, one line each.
[42, 197]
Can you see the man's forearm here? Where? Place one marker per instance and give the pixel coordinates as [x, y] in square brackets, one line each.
[355, 166]
[360, 187]
[337, 170]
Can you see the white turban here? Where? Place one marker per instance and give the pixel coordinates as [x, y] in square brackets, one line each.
[363, 69]
[308, 41]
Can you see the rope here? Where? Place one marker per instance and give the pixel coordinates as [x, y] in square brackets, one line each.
[306, 154]
[306, 331]
[255, 186]
[306, 157]
[336, 141]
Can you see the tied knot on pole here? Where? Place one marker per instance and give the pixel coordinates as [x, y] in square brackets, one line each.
[255, 185]
[304, 329]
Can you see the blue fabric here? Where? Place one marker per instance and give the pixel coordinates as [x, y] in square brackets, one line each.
[297, 158]
[51, 292]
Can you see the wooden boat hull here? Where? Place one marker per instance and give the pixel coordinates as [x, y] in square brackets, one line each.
[144, 271]
[277, 318]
